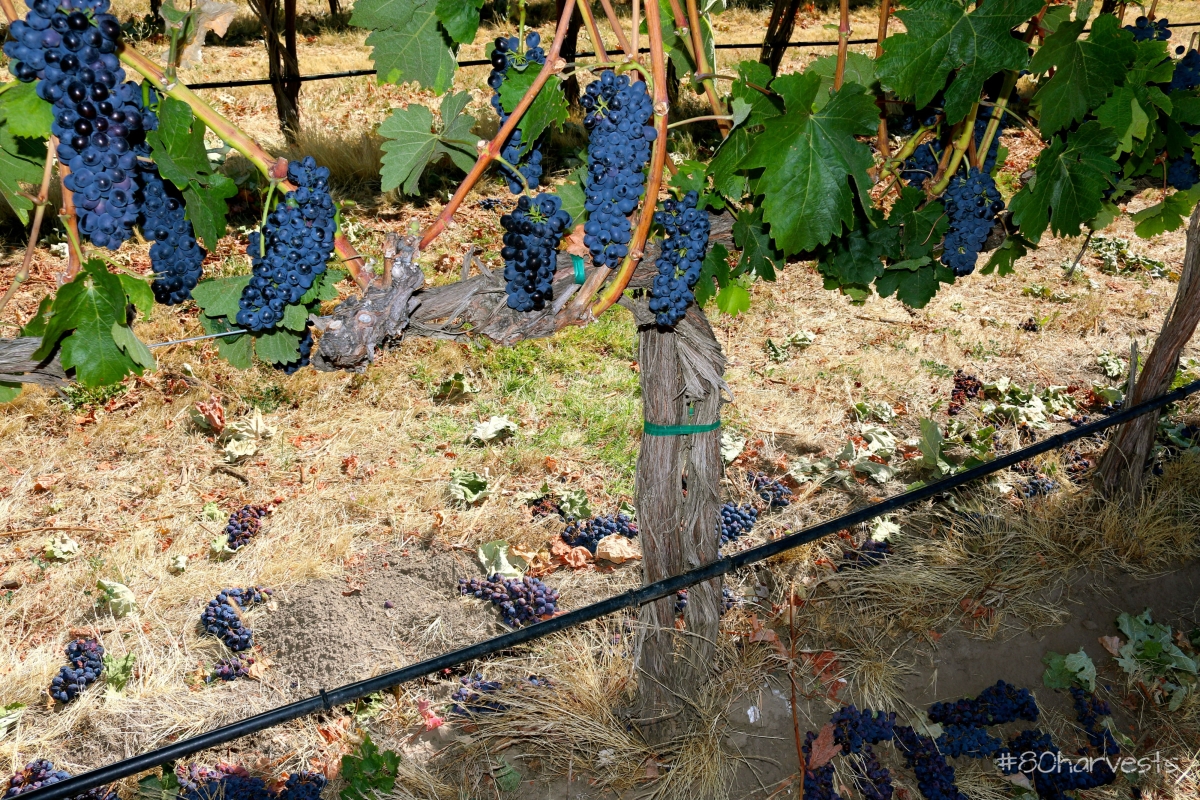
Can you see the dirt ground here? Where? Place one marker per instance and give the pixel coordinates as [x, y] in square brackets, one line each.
[360, 466]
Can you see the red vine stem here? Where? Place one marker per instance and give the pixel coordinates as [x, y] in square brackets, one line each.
[71, 222]
[617, 29]
[885, 15]
[634, 25]
[701, 61]
[658, 157]
[489, 153]
[589, 22]
[843, 45]
[39, 212]
[710, 86]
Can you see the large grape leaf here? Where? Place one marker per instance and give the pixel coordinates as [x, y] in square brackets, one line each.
[751, 86]
[548, 108]
[237, 350]
[413, 141]
[25, 113]
[460, 18]
[1124, 114]
[1068, 184]
[407, 41]
[944, 36]
[278, 346]
[1169, 215]
[572, 196]
[914, 282]
[715, 268]
[859, 69]
[16, 169]
[1004, 260]
[1085, 70]
[181, 157]
[810, 160]
[9, 391]
[758, 256]
[85, 314]
[922, 226]
[218, 297]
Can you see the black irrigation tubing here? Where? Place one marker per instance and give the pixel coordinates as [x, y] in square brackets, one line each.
[482, 62]
[326, 700]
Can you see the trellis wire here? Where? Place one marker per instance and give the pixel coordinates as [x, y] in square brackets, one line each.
[667, 587]
[482, 62]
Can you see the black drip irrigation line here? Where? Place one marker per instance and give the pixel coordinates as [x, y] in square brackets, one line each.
[482, 62]
[667, 587]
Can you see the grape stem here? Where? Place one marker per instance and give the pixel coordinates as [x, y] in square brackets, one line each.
[960, 148]
[658, 157]
[700, 60]
[891, 165]
[262, 228]
[885, 15]
[589, 22]
[512, 168]
[704, 118]
[492, 150]
[998, 108]
[70, 221]
[521, 27]
[43, 197]
[618, 30]
[839, 73]
[634, 24]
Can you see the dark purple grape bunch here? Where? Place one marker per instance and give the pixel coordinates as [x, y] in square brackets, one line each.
[588, 533]
[532, 233]
[818, 781]
[226, 784]
[175, 255]
[998, 704]
[1088, 710]
[86, 657]
[1034, 754]
[1144, 30]
[70, 48]
[968, 740]
[679, 263]
[230, 669]
[290, 252]
[735, 522]
[244, 524]
[41, 773]
[1187, 70]
[222, 616]
[868, 554]
[1038, 485]
[770, 490]
[303, 786]
[506, 54]
[935, 777]
[306, 346]
[521, 601]
[620, 135]
[923, 163]
[854, 729]
[1183, 172]
[474, 697]
[972, 203]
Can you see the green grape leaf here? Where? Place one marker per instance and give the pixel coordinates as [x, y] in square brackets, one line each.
[295, 318]
[1085, 70]
[913, 287]
[1185, 108]
[751, 87]
[922, 228]
[944, 36]
[24, 113]
[851, 260]
[16, 169]
[715, 268]
[860, 69]
[324, 288]
[547, 109]
[758, 256]
[1068, 185]
[218, 297]
[1004, 259]
[237, 350]
[178, 144]
[740, 110]
[88, 308]
[407, 42]
[9, 391]
[692, 176]
[409, 148]
[674, 42]
[724, 166]
[138, 293]
[37, 324]
[733, 299]
[810, 160]
[455, 140]
[460, 18]
[206, 207]
[1169, 215]
[572, 196]
[278, 346]
[1125, 115]
[131, 345]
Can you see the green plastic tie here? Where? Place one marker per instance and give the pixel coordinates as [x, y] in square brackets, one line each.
[577, 262]
[652, 429]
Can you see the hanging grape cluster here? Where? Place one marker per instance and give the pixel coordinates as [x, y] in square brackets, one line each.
[506, 54]
[683, 250]
[175, 255]
[972, 202]
[620, 135]
[86, 657]
[291, 250]
[1144, 30]
[532, 233]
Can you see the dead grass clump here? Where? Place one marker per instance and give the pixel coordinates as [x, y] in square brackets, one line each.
[354, 158]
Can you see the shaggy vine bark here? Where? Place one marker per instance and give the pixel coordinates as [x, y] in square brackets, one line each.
[1122, 469]
[283, 64]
